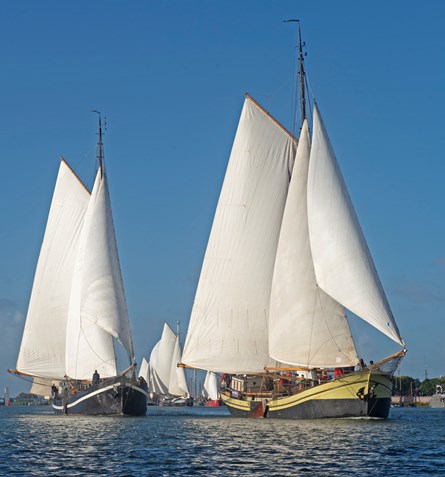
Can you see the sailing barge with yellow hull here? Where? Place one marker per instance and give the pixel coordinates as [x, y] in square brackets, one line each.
[364, 393]
[286, 266]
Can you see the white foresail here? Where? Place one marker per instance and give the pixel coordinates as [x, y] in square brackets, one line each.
[229, 320]
[343, 264]
[306, 326]
[210, 386]
[178, 384]
[42, 352]
[162, 378]
[144, 371]
[98, 310]
[155, 385]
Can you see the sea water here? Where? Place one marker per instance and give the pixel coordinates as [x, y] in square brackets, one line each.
[208, 442]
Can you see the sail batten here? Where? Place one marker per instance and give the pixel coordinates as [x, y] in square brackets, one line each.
[343, 264]
[228, 324]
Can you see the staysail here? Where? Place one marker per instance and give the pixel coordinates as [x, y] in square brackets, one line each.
[98, 310]
[306, 326]
[42, 352]
[343, 265]
[229, 320]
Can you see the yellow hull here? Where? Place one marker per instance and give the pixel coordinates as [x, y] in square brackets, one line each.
[360, 394]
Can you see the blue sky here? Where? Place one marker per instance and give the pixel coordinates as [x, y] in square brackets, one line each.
[171, 77]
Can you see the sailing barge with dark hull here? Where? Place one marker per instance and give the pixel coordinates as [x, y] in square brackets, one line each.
[120, 395]
[286, 265]
[77, 316]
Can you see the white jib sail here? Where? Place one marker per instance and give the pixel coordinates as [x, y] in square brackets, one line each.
[42, 352]
[178, 384]
[229, 320]
[210, 386]
[343, 263]
[98, 310]
[306, 326]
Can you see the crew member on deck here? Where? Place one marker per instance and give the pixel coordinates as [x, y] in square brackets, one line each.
[96, 377]
[338, 372]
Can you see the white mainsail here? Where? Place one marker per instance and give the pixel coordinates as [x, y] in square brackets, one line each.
[42, 351]
[343, 265]
[210, 387]
[306, 326]
[98, 310]
[229, 320]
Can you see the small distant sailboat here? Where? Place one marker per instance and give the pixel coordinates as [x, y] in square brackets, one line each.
[210, 391]
[286, 257]
[77, 315]
[167, 382]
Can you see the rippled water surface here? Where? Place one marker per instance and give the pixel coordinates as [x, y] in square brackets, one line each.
[204, 441]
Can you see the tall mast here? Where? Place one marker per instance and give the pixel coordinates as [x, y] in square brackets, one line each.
[302, 76]
[100, 145]
[301, 73]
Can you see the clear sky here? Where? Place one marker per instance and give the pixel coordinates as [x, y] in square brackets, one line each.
[170, 77]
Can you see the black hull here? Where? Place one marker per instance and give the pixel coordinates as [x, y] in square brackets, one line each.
[112, 397]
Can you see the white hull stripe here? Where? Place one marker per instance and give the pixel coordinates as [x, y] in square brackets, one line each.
[88, 396]
[137, 388]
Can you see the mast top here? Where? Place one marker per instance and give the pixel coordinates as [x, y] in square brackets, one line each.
[100, 145]
[301, 71]
[302, 75]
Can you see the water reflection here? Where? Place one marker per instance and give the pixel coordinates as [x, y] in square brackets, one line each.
[186, 442]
